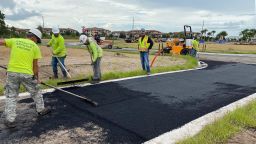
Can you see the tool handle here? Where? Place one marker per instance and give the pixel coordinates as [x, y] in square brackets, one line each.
[3, 67]
[83, 98]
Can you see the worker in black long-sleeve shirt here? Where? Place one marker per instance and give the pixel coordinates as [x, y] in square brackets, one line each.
[145, 44]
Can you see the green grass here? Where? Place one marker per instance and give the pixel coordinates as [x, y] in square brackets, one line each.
[190, 63]
[1, 89]
[223, 129]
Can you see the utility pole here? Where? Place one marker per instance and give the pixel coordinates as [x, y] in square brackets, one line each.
[133, 23]
[43, 21]
[203, 25]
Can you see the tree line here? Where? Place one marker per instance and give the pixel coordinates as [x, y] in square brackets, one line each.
[8, 32]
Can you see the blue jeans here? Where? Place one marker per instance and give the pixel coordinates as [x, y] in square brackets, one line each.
[96, 69]
[55, 64]
[145, 61]
[193, 52]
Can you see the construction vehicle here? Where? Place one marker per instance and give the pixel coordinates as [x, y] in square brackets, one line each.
[179, 46]
[106, 44]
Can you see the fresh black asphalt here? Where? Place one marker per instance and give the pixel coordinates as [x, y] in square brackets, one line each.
[137, 110]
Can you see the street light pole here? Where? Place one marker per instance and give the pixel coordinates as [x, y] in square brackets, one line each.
[43, 21]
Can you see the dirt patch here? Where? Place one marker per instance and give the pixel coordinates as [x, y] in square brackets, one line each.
[27, 117]
[247, 136]
[78, 62]
[62, 135]
[65, 124]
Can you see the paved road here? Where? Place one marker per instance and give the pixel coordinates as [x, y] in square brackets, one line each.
[137, 110]
[243, 58]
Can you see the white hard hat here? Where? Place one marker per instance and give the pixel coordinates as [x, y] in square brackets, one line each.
[36, 32]
[55, 30]
[83, 39]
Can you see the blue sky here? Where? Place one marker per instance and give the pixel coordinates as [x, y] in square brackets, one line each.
[162, 15]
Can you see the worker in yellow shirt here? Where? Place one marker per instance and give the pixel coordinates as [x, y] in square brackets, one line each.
[22, 69]
[145, 43]
[59, 52]
[195, 47]
[96, 54]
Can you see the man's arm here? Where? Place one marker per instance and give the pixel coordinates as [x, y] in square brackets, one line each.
[35, 70]
[2, 42]
[151, 43]
[50, 43]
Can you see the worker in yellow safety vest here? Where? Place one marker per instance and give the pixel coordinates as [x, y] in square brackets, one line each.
[96, 54]
[195, 47]
[144, 45]
[59, 52]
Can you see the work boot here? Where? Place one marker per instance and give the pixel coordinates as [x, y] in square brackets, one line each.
[148, 73]
[44, 112]
[55, 75]
[95, 81]
[64, 75]
[9, 124]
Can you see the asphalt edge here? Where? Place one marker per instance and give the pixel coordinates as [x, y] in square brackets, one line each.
[194, 127]
[202, 65]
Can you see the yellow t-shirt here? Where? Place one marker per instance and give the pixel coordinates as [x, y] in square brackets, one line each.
[58, 46]
[195, 44]
[23, 52]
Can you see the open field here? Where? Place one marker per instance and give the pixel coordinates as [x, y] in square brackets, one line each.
[78, 62]
[211, 47]
[230, 48]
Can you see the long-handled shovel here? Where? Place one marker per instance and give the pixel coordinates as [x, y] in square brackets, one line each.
[75, 95]
[63, 67]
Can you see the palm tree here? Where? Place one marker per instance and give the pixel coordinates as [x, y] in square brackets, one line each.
[213, 32]
[222, 34]
[204, 31]
[245, 34]
[209, 34]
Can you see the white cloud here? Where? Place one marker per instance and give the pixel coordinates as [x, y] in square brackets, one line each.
[117, 15]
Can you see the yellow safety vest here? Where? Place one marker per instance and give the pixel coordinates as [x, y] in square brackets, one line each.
[144, 45]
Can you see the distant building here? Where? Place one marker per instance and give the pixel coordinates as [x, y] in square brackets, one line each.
[19, 31]
[154, 33]
[94, 30]
[47, 30]
[62, 30]
[233, 38]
